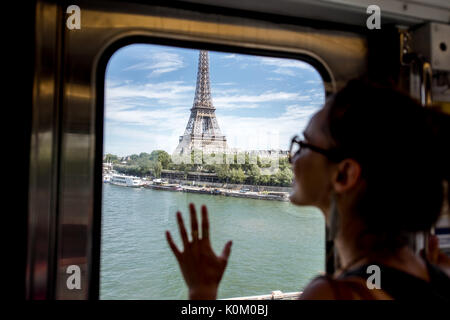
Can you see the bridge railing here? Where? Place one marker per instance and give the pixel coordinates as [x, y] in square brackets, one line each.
[275, 295]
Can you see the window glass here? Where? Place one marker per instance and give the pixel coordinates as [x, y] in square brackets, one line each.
[169, 114]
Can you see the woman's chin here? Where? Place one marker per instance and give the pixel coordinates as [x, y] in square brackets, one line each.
[299, 198]
[295, 198]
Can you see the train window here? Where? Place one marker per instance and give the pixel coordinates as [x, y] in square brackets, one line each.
[184, 125]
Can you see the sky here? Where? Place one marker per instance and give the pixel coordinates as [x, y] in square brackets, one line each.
[260, 102]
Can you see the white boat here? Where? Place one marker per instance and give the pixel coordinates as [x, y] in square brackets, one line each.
[107, 178]
[126, 181]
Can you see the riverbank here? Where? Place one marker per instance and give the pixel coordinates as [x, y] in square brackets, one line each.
[229, 186]
[238, 193]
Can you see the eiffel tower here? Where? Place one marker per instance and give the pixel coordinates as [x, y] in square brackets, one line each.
[202, 130]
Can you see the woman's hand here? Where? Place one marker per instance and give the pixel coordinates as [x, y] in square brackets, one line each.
[201, 268]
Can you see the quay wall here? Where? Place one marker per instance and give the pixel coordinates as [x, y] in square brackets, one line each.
[221, 191]
[231, 186]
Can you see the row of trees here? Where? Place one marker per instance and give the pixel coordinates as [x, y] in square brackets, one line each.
[263, 172]
[254, 176]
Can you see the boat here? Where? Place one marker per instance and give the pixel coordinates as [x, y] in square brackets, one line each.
[178, 188]
[165, 186]
[126, 181]
[107, 178]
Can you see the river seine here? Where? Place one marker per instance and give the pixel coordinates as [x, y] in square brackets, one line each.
[276, 245]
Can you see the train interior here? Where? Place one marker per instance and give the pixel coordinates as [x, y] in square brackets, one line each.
[60, 76]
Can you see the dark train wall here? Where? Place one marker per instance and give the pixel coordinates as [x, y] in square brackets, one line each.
[18, 44]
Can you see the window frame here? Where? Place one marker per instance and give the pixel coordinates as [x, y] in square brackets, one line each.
[76, 75]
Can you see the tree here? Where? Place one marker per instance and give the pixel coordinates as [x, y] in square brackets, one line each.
[285, 176]
[162, 156]
[222, 171]
[144, 170]
[264, 180]
[240, 176]
[253, 175]
[237, 175]
[111, 158]
[144, 155]
[197, 158]
[157, 168]
[144, 162]
[128, 170]
[274, 180]
[283, 162]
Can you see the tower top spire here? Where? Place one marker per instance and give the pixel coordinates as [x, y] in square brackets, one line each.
[202, 97]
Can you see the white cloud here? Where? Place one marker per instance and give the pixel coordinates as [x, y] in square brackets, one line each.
[147, 117]
[122, 140]
[263, 97]
[297, 111]
[159, 63]
[225, 105]
[313, 81]
[164, 93]
[229, 56]
[286, 63]
[225, 84]
[287, 67]
[244, 101]
[267, 133]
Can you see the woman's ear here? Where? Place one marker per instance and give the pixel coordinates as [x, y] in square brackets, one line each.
[347, 175]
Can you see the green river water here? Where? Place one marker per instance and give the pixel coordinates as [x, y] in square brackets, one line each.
[276, 245]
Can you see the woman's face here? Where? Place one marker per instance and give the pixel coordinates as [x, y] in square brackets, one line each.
[312, 170]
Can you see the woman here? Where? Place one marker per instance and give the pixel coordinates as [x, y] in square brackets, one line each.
[373, 162]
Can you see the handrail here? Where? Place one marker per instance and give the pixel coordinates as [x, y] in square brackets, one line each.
[425, 84]
[275, 295]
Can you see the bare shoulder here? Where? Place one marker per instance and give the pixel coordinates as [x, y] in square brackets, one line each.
[319, 289]
[352, 288]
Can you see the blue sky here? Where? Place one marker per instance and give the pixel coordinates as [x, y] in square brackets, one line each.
[260, 102]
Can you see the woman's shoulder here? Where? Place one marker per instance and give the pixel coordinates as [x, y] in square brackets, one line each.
[325, 287]
[320, 288]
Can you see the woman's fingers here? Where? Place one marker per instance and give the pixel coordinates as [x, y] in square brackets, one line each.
[226, 251]
[172, 245]
[183, 232]
[194, 223]
[205, 223]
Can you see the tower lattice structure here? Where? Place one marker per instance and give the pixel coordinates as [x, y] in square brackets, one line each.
[202, 130]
